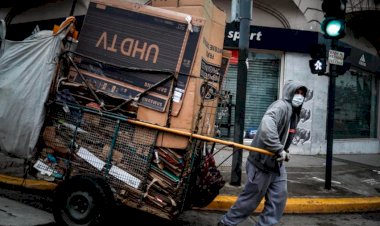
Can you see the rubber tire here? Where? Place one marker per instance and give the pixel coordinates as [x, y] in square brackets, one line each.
[83, 201]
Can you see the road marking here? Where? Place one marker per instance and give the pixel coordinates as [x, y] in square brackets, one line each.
[371, 181]
[322, 180]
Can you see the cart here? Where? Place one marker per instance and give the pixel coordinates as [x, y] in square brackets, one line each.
[99, 157]
[95, 152]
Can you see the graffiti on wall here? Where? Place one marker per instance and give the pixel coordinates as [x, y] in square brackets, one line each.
[302, 133]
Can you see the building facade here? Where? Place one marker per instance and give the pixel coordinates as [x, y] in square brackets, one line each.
[281, 35]
[280, 38]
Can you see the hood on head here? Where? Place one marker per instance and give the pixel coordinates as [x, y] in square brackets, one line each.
[290, 88]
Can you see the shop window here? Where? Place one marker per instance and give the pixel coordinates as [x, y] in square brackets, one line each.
[356, 105]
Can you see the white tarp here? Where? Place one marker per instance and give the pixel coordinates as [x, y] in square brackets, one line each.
[27, 69]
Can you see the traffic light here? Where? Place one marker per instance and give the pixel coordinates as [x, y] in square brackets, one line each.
[318, 62]
[333, 28]
[317, 66]
[334, 24]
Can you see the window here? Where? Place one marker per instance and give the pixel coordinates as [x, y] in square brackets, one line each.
[356, 105]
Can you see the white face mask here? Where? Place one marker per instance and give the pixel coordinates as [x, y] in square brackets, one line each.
[297, 100]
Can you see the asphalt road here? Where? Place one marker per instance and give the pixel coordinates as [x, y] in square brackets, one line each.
[19, 206]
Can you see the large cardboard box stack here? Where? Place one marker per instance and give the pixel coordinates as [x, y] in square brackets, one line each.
[132, 35]
[185, 37]
[208, 66]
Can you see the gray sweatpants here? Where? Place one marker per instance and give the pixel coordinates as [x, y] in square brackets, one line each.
[260, 184]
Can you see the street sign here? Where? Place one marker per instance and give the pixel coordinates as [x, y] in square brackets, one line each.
[336, 57]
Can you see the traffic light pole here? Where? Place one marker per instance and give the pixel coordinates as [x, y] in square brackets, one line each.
[241, 89]
[333, 27]
[330, 119]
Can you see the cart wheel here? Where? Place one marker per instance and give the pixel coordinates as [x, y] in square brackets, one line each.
[83, 201]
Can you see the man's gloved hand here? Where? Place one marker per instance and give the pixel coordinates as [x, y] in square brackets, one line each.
[283, 156]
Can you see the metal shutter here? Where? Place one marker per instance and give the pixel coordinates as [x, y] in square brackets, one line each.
[262, 89]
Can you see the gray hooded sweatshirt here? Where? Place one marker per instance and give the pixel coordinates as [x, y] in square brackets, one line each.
[274, 128]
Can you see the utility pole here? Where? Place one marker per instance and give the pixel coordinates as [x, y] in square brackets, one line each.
[245, 9]
[330, 120]
[333, 27]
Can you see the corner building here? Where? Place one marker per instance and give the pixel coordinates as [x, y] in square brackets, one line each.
[281, 35]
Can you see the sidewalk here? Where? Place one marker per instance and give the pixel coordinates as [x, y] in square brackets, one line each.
[355, 188]
[355, 185]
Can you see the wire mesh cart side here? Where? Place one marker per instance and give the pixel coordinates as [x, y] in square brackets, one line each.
[79, 142]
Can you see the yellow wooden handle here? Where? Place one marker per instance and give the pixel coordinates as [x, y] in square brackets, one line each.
[200, 137]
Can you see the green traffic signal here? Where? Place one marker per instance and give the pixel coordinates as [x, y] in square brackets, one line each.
[333, 28]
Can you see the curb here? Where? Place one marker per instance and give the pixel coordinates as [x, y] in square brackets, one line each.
[27, 183]
[307, 205]
[304, 205]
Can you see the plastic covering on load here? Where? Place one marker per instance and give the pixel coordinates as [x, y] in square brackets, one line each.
[27, 69]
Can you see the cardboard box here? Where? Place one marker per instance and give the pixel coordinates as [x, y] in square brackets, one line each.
[139, 36]
[179, 3]
[187, 40]
[119, 89]
[208, 63]
[117, 156]
[165, 3]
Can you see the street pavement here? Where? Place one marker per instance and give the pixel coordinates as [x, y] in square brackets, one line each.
[14, 213]
[355, 185]
[355, 188]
